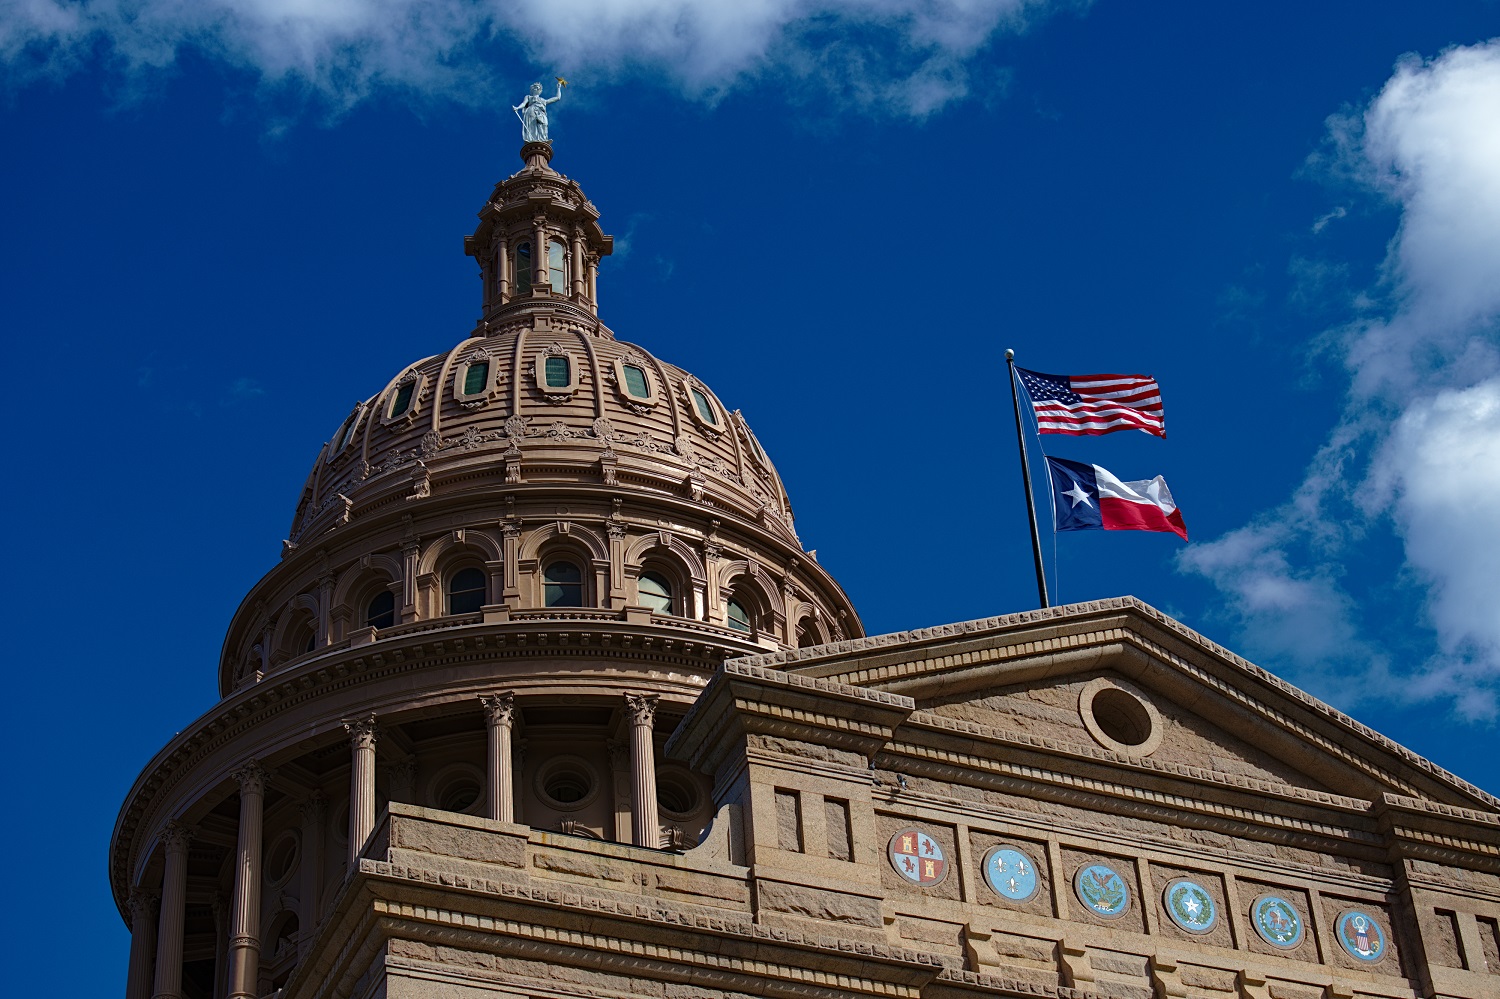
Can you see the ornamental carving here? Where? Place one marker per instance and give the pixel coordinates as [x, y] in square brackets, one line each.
[499, 709]
[641, 708]
[251, 777]
[432, 442]
[603, 429]
[515, 428]
[362, 731]
[175, 836]
[684, 447]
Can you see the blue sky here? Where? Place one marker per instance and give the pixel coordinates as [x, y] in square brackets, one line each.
[225, 222]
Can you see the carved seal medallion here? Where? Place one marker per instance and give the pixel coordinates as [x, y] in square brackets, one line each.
[918, 857]
[1102, 890]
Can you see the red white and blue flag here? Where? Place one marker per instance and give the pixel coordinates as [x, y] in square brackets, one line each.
[1090, 498]
[1084, 405]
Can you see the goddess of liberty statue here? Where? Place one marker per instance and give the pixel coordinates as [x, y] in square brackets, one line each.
[533, 112]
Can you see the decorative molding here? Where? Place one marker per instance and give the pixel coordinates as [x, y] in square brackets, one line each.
[251, 776]
[499, 709]
[175, 836]
[362, 731]
[641, 708]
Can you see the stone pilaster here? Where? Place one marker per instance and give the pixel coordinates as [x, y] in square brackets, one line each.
[314, 812]
[168, 979]
[401, 779]
[144, 904]
[642, 711]
[499, 718]
[361, 783]
[244, 906]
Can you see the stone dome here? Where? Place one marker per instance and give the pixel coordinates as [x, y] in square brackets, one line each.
[542, 399]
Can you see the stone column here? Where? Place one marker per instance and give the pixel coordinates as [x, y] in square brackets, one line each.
[594, 284]
[361, 784]
[401, 781]
[539, 276]
[168, 985]
[499, 717]
[577, 276]
[244, 906]
[143, 905]
[642, 709]
[502, 270]
[325, 609]
[221, 943]
[314, 810]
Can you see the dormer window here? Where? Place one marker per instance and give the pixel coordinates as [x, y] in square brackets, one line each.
[557, 372]
[635, 384]
[635, 381]
[477, 377]
[402, 401]
[472, 383]
[704, 406]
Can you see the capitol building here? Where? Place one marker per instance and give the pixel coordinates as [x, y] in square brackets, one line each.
[545, 698]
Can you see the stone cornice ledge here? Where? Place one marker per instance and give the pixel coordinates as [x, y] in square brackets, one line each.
[744, 699]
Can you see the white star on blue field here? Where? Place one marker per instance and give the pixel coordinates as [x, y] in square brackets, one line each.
[227, 220]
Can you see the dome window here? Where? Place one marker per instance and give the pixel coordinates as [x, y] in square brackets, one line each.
[523, 268]
[473, 381]
[635, 381]
[562, 585]
[402, 402]
[738, 617]
[345, 434]
[466, 591]
[655, 591]
[381, 612]
[557, 266]
[558, 372]
[703, 407]
[635, 384]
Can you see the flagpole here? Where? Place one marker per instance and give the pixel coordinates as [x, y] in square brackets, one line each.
[1036, 537]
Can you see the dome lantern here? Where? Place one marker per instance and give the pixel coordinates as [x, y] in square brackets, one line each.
[538, 240]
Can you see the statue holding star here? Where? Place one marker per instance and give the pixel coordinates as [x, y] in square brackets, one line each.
[533, 112]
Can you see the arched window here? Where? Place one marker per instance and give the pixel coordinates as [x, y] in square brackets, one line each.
[656, 593]
[739, 617]
[381, 613]
[557, 266]
[562, 584]
[466, 591]
[523, 268]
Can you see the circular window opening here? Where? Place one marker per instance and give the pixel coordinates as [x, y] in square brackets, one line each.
[457, 788]
[281, 859]
[1122, 717]
[459, 796]
[677, 793]
[567, 783]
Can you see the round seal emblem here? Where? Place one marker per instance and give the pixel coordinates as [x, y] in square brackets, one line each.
[1277, 921]
[1102, 890]
[1361, 936]
[1190, 905]
[918, 857]
[1010, 873]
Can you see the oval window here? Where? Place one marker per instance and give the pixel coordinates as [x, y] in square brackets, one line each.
[705, 408]
[381, 613]
[656, 592]
[402, 402]
[739, 618]
[477, 378]
[523, 267]
[466, 591]
[562, 585]
[635, 381]
[558, 373]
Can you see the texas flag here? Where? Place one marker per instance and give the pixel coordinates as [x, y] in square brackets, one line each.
[1089, 498]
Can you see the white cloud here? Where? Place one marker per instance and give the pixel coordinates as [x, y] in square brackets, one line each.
[902, 55]
[1418, 447]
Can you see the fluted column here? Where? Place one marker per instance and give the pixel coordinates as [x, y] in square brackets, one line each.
[539, 276]
[244, 905]
[361, 784]
[502, 270]
[577, 268]
[174, 841]
[314, 811]
[143, 905]
[499, 717]
[642, 709]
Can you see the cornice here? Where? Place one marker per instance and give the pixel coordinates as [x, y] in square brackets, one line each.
[1138, 621]
[636, 652]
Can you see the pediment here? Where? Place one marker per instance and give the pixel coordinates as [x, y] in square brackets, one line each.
[1032, 682]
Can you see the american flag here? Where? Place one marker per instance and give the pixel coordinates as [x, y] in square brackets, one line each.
[1094, 404]
[1084, 405]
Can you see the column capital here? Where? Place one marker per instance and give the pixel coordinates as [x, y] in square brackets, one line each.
[361, 731]
[641, 707]
[499, 709]
[251, 776]
[175, 836]
[314, 807]
[143, 903]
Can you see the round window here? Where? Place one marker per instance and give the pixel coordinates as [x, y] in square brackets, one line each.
[1119, 719]
[457, 788]
[677, 793]
[567, 783]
